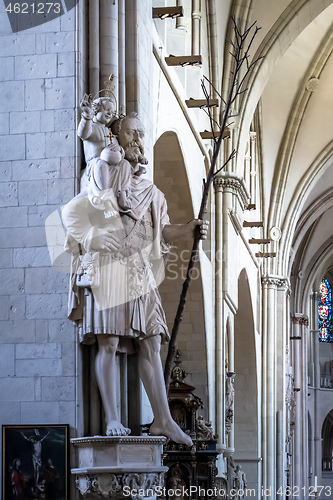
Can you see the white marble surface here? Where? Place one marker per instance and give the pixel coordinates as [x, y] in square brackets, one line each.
[107, 465]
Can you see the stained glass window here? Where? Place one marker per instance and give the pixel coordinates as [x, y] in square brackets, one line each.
[325, 312]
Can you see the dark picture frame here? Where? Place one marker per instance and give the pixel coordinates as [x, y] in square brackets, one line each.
[35, 462]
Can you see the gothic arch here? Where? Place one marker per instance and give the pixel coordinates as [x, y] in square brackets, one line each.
[315, 271]
[170, 175]
[246, 424]
[311, 214]
[307, 182]
[327, 442]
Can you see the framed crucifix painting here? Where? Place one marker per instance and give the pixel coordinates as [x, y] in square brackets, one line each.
[35, 462]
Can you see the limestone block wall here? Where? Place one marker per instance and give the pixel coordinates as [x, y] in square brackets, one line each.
[37, 156]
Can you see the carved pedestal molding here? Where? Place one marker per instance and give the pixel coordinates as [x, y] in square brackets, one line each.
[236, 186]
[110, 485]
[109, 466]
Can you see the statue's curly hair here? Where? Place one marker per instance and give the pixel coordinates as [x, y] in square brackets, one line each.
[117, 124]
[96, 104]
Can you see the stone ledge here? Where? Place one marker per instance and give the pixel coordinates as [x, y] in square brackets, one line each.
[82, 471]
[109, 440]
[119, 452]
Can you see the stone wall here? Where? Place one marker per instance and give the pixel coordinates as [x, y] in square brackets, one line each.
[37, 157]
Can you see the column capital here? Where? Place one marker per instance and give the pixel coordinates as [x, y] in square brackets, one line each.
[299, 319]
[235, 185]
[272, 280]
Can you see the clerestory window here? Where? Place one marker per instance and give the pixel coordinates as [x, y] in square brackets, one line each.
[325, 311]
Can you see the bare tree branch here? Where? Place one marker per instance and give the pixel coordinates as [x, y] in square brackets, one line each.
[210, 117]
[208, 109]
[241, 61]
[231, 156]
[210, 83]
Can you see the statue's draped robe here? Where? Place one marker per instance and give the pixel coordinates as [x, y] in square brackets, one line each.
[127, 302]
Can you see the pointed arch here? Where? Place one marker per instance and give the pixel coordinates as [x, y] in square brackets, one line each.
[321, 163]
[171, 177]
[246, 423]
[327, 442]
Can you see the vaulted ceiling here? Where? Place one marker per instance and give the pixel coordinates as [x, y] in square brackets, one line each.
[293, 89]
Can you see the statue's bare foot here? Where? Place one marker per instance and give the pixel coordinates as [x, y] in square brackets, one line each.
[115, 428]
[171, 430]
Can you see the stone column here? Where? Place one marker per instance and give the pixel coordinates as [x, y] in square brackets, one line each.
[180, 21]
[108, 22]
[94, 46]
[270, 377]
[282, 307]
[219, 330]
[270, 351]
[196, 26]
[298, 337]
[253, 169]
[314, 332]
[121, 57]
[228, 203]
[269, 288]
[247, 163]
[230, 193]
[264, 285]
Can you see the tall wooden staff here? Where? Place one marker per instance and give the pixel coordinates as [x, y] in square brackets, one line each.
[242, 68]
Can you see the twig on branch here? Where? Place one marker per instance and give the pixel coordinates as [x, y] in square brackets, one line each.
[208, 110]
[218, 93]
[240, 72]
[231, 156]
[211, 119]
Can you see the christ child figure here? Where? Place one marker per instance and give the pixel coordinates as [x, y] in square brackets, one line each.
[103, 155]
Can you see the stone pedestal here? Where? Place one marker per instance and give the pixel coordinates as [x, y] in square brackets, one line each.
[119, 467]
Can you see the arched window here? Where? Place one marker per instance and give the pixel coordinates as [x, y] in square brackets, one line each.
[325, 312]
[327, 442]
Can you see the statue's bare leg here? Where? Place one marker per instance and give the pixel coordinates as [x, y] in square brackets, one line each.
[151, 373]
[106, 373]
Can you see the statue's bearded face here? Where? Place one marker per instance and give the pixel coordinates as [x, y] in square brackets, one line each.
[131, 133]
[131, 138]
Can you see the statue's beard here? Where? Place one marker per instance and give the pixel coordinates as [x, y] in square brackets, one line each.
[134, 152]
